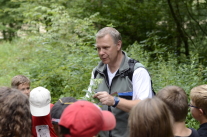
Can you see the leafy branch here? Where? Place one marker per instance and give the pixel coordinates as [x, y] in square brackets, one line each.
[90, 94]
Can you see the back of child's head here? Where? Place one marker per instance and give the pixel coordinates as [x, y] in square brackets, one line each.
[19, 79]
[150, 118]
[198, 96]
[57, 111]
[176, 100]
[59, 107]
[15, 116]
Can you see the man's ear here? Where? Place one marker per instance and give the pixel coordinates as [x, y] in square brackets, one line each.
[119, 44]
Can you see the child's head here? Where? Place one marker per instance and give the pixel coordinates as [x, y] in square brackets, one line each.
[198, 96]
[85, 119]
[15, 116]
[40, 101]
[22, 83]
[150, 118]
[176, 100]
[58, 109]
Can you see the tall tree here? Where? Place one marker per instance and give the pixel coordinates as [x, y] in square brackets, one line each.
[11, 20]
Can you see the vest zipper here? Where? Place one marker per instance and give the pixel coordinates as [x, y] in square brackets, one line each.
[109, 107]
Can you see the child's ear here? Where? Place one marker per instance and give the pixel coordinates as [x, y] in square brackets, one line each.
[201, 111]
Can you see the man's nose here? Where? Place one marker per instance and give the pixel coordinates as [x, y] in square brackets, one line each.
[101, 52]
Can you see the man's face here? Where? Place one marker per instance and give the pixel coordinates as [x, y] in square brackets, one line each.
[107, 49]
[24, 88]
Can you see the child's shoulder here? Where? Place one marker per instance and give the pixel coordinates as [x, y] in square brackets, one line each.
[202, 131]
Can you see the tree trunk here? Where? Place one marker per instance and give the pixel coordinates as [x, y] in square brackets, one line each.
[179, 29]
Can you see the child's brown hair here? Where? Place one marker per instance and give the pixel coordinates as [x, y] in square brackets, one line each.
[150, 118]
[15, 116]
[19, 79]
[176, 100]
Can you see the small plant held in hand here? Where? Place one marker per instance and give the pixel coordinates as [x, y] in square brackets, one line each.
[90, 94]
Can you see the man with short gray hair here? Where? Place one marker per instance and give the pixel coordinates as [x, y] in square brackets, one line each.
[114, 69]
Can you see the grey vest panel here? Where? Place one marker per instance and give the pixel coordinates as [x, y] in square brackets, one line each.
[119, 84]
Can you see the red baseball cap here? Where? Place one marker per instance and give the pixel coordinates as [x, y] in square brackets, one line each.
[85, 119]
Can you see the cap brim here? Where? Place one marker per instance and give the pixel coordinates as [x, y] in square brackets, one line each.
[109, 121]
[43, 111]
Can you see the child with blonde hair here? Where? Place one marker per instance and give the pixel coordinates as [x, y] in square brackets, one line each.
[198, 104]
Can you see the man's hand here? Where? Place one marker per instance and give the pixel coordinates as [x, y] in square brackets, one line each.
[105, 98]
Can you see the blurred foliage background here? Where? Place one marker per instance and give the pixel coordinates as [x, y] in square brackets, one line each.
[52, 41]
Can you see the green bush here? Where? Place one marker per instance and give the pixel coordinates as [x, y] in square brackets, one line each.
[64, 72]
